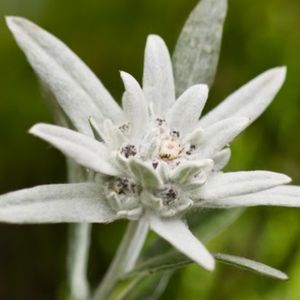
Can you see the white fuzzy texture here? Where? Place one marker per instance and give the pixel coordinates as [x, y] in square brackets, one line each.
[194, 137]
[57, 203]
[79, 245]
[177, 233]
[184, 114]
[218, 135]
[135, 106]
[221, 159]
[68, 78]
[187, 170]
[237, 183]
[196, 53]
[83, 149]
[250, 100]
[158, 81]
[145, 174]
[288, 195]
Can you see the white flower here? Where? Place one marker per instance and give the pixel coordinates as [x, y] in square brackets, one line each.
[154, 159]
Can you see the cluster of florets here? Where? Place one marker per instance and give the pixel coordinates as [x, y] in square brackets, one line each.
[164, 150]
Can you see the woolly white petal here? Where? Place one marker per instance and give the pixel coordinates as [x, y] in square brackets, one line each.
[221, 159]
[250, 100]
[145, 174]
[187, 170]
[218, 135]
[278, 196]
[178, 234]
[97, 132]
[135, 106]
[158, 81]
[57, 203]
[74, 85]
[185, 113]
[237, 183]
[84, 150]
[194, 138]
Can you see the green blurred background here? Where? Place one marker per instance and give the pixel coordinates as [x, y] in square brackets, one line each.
[109, 35]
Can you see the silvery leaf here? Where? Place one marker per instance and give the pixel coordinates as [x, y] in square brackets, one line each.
[205, 225]
[250, 100]
[250, 265]
[185, 112]
[84, 150]
[135, 106]
[195, 137]
[221, 159]
[145, 174]
[187, 170]
[98, 135]
[218, 135]
[177, 233]
[223, 185]
[197, 50]
[112, 135]
[158, 81]
[57, 203]
[74, 85]
[58, 114]
[173, 260]
[286, 195]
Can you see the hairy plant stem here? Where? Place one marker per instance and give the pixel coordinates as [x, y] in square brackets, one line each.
[124, 259]
[78, 244]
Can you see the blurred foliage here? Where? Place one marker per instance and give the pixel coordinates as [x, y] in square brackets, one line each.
[109, 35]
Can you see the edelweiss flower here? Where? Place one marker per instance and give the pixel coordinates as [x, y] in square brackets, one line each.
[153, 158]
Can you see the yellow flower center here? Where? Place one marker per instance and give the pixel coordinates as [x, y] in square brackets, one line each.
[169, 148]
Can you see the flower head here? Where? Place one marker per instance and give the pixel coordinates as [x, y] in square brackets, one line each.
[155, 159]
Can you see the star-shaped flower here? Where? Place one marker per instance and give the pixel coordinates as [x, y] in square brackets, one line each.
[154, 159]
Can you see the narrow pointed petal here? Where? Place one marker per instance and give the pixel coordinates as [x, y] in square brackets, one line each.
[197, 50]
[163, 170]
[135, 106]
[74, 85]
[145, 174]
[218, 135]
[250, 100]
[112, 135]
[287, 195]
[158, 81]
[221, 159]
[185, 113]
[187, 170]
[251, 265]
[83, 149]
[177, 233]
[57, 203]
[106, 132]
[98, 135]
[229, 184]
